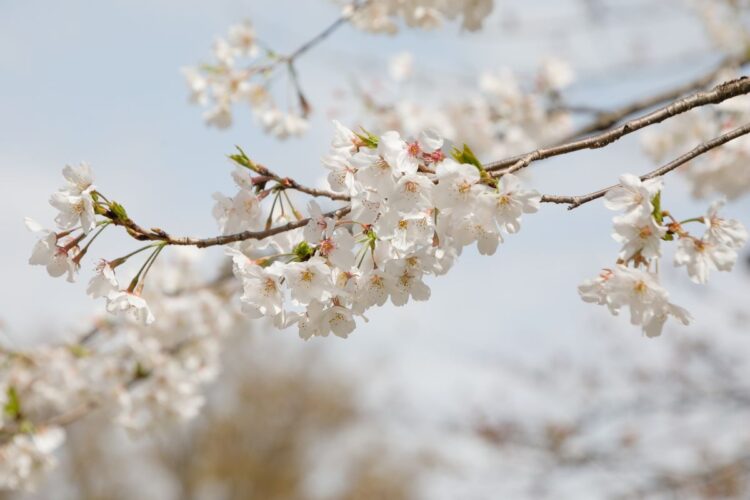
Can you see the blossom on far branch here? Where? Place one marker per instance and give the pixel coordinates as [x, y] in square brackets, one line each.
[641, 230]
[640, 292]
[241, 74]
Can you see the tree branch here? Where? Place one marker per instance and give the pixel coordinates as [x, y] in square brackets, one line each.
[718, 94]
[577, 201]
[608, 119]
[155, 234]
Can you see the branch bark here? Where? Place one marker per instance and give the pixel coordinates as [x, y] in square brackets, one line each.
[608, 119]
[718, 94]
[577, 201]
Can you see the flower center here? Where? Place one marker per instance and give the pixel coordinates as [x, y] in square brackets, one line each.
[411, 187]
[269, 286]
[327, 246]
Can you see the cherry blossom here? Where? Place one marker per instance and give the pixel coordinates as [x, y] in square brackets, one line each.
[637, 290]
[633, 194]
[511, 201]
[131, 305]
[701, 255]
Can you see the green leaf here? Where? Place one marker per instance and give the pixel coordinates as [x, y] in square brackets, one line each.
[303, 251]
[369, 139]
[118, 210]
[12, 406]
[467, 156]
[657, 213]
[242, 159]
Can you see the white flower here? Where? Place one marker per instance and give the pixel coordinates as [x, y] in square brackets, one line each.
[639, 291]
[46, 252]
[319, 226]
[263, 295]
[344, 140]
[197, 84]
[366, 206]
[341, 175]
[242, 38]
[457, 187]
[373, 171]
[224, 52]
[476, 228]
[26, 457]
[128, 304]
[702, 255]
[309, 281]
[243, 212]
[282, 125]
[510, 202]
[406, 157]
[633, 194]
[406, 282]
[74, 210]
[638, 234]
[80, 178]
[104, 283]
[413, 192]
[724, 231]
[555, 74]
[220, 116]
[412, 230]
[319, 321]
[337, 247]
[373, 288]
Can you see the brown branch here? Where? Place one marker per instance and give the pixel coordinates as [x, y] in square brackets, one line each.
[354, 7]
[286, 182]
[577, 201]
[155, 234]
[608, 119]
[718, 94]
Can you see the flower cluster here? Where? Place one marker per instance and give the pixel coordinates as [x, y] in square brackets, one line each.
[413, 210]
[143, 375]
[640, 230]
[61, 251]
[382, 16]
[503, 116]
[239, 75]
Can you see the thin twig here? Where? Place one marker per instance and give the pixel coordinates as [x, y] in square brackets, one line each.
[354, 7]
[577, 201]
